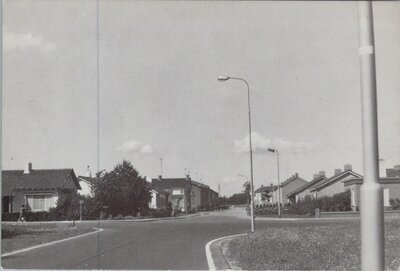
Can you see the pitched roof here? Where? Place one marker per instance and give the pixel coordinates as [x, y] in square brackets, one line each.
[168, 183]
[88, 180]
[291, 179]
[266, 189]
[38, 179]
[307, 185]
[382, 180]
[334, 178]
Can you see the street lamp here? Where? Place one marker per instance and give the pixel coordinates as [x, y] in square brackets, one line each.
[225, 78]
[279, 182]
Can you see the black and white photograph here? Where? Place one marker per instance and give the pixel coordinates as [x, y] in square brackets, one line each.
[200, 135]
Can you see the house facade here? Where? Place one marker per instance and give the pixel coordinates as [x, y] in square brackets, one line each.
[288, 186]
[159, 199]
[334, 184]
[264, 195]
[304, 190]
[179, 190]
[35, 189]
[184, 194]
[390, 185]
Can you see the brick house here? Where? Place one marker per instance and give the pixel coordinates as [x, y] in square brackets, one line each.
[159, 198]
[185, 194]
[179, 190]
[288, 186]
[36, 189]
[260, 193]
[334, 184]
[303, 191]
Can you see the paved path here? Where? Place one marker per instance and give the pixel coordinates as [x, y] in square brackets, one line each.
[169, 244]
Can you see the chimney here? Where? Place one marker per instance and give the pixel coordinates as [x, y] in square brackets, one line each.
[88, 173]
[262, 185]
[296, 175]
[159, 177]
[28, 168]
[338, 171]
[321, 173]
[347, 167]
[188, 177]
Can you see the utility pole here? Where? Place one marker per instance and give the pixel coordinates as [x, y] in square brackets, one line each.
[372, 217]
[161, 172]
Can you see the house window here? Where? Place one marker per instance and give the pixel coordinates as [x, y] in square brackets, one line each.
[38, 203]
[177, 191]
[386, 202]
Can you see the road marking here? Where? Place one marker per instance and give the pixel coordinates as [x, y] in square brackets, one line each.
[51, 243]
[210, 261]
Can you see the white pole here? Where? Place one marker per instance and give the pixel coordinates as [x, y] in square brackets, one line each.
[1, 106]
[279, 186]
[372, 220]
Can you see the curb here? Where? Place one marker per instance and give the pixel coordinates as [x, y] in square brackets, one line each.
[50, 243]
[219, 261]
[97, 221]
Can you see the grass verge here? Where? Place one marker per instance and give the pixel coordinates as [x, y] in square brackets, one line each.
[332, 247]
[16, 237]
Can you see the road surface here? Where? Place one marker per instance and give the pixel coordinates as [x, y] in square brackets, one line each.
[170, 244]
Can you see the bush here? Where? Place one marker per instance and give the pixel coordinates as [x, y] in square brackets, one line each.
[395, 203]
[159, 213]
[9, 216]
[336, 203]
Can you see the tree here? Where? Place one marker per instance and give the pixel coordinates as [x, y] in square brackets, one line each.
[122, 190]
[246, 191]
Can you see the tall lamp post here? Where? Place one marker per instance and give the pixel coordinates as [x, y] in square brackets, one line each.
[225, 78]
[279, 182]
[372, 216]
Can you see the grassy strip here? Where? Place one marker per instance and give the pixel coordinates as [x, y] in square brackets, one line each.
[333, 247]
[20, 237]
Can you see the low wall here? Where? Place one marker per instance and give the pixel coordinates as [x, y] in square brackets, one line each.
[388, 213]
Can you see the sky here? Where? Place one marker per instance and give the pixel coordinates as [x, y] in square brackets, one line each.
[159, 96]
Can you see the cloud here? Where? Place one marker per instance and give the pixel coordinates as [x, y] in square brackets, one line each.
[134, 146]
[24, 41]
[146, 148]
[260, 144]
[229, 180]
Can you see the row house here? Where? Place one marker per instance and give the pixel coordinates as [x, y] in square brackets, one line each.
[269, 194]
[184, 194]
[390, 185]
[35, 190]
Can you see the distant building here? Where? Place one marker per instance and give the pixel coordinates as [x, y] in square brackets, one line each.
[264, 195]
[393, 172]
[86, 182]
[36, 189]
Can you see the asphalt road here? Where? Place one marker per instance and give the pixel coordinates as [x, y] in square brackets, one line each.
[170, 244]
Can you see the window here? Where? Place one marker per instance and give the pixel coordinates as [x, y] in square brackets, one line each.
[177, 191]
[39, 202]
[386, 202]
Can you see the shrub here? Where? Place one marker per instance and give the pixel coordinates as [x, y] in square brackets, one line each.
[129, 217]
[335, 203]
[395, 203]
